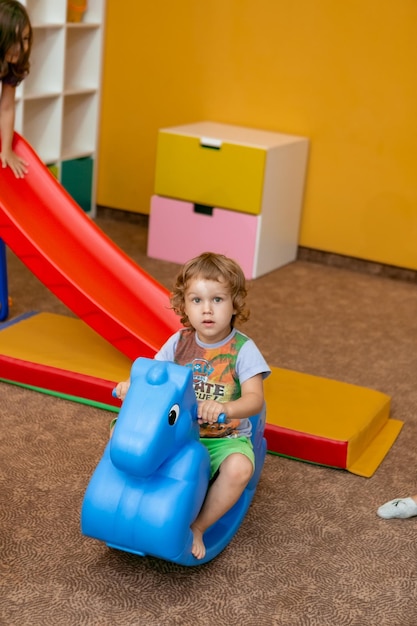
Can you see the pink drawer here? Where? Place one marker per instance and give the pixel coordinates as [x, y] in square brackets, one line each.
[179, 232]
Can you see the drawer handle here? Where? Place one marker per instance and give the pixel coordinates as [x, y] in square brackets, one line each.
[211, 143]
[203, 209]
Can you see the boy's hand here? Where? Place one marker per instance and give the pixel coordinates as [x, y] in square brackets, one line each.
[209, 410]
[122, 389]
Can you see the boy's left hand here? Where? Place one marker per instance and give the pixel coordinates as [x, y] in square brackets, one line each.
[209, 410]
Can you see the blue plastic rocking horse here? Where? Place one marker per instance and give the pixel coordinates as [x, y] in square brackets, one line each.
[151, 482]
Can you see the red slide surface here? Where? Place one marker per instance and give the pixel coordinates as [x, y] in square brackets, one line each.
[64, 248]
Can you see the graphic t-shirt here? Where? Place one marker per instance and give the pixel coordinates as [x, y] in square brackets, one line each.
[219, 370]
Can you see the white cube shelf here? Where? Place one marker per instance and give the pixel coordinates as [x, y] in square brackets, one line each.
[57, 105]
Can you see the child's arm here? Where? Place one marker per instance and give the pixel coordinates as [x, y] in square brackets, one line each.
[250, 403]
[120, 392]
[122, 389]
[7, 116]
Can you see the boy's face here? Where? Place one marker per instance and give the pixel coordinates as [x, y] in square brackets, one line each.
[13, 53]
[209, 308]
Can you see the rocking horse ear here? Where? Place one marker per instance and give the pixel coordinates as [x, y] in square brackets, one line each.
[158, 373]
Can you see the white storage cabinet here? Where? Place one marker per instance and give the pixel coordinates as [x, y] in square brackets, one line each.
[58, 104]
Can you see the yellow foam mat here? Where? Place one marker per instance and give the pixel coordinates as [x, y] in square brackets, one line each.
[308, 417]
[65, 343]
[328, 420]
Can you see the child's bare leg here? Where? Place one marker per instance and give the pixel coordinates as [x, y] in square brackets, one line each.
[234, 474]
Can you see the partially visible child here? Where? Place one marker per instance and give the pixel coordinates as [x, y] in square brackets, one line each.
[228, 371]
[15, 46]
[401, 508]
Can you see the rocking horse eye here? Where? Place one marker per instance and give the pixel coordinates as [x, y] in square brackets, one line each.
[173, 414]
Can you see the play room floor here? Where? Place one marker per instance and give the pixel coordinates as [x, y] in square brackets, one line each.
[311, 551]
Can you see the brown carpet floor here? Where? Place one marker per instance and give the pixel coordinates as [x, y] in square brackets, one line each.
[310, 552]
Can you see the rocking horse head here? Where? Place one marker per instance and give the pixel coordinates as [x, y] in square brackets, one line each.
[157, 419]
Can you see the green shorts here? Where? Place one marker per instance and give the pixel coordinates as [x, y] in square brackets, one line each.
[220, 449]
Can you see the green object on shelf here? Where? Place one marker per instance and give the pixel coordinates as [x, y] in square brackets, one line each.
[77, 178]
[54, 169]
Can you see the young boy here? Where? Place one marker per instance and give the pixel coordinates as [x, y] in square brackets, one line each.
[228, 371]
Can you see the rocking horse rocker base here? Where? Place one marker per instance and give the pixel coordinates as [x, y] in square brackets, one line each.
[151, 482]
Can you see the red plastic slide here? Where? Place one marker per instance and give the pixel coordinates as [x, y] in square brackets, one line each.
[63, 247]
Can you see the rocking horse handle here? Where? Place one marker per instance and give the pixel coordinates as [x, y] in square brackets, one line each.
[222, 419]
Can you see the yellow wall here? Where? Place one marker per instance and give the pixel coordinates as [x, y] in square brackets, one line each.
[343, 73]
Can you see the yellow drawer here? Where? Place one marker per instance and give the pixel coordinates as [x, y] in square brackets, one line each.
[210, 171]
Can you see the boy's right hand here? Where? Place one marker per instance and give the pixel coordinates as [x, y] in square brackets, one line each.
[122, 389]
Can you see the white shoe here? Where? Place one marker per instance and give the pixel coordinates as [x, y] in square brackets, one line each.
[399, 508]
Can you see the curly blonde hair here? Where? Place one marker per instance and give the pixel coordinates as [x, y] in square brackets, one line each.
[211, 266]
